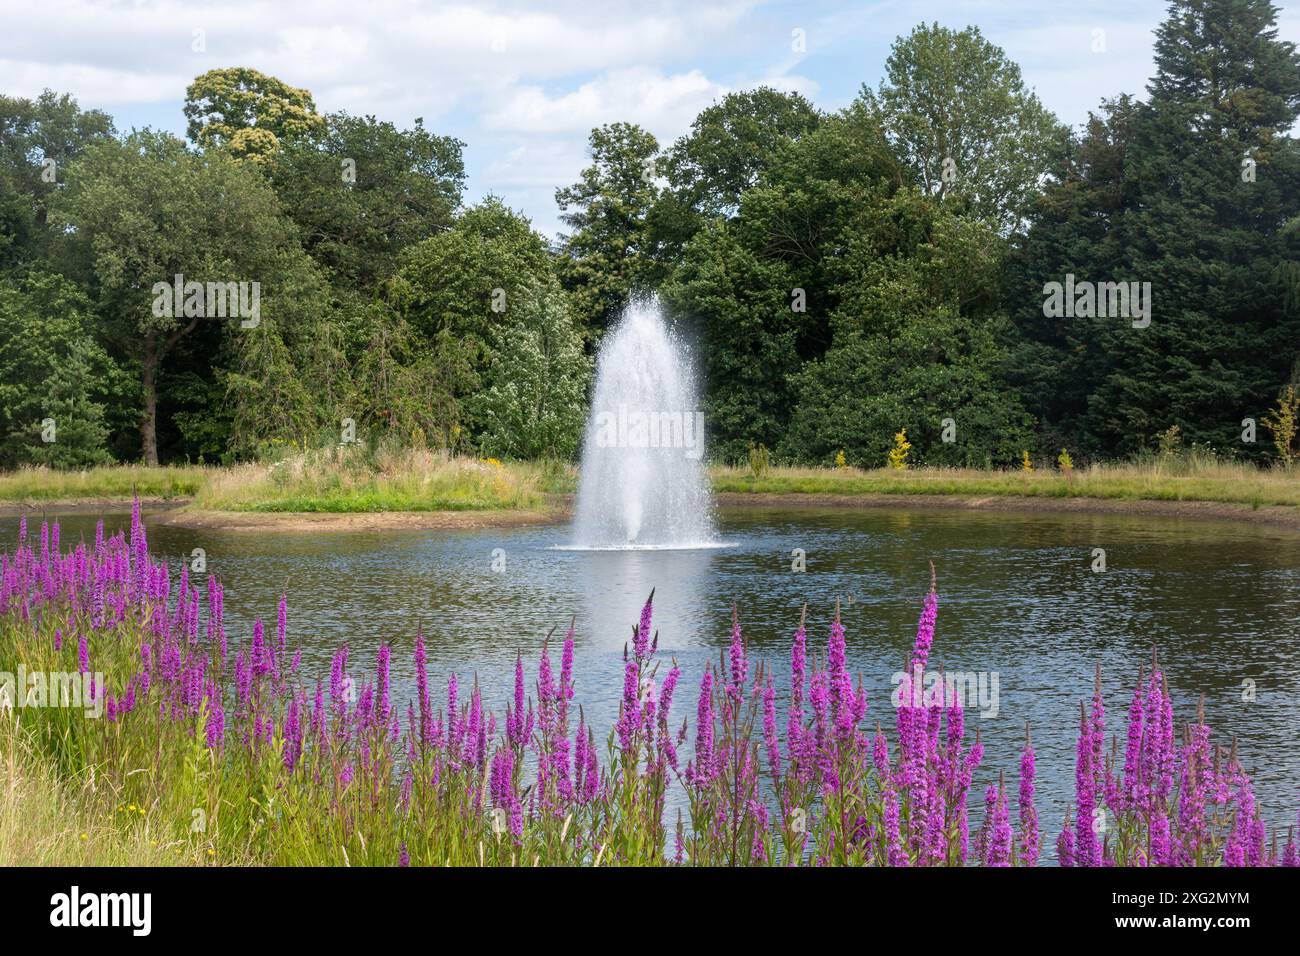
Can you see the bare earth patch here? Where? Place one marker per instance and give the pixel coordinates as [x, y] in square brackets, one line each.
[355, 521]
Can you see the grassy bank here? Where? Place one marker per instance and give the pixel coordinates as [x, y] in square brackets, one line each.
[110, 481]
[349, 480]
[356, 481]
[1215, 482]
[49, 819]
[338, 480]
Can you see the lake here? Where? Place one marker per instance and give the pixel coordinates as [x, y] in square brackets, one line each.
[1018, 598]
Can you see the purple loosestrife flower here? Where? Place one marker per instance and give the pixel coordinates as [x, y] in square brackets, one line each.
[422, 687]
[736, 658]
[1029, 842]
[515, 714]
[566, 672]
[893, 837]
[1065, 843]
[769, 731]
[338, 674]
[281, 620]
[629, 716]
[700, 769]
[216, 724]
[999, 846]
[925, 628]
[843, 704]
[403, 858]
[880, 753]
[83, 654]
[1129, 794]
[382, 677]
[666, 746]
[641, 642]
[1087, 852]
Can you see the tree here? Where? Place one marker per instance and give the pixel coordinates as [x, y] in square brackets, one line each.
[534, 405]
[247, 113]
[760, 288]
[610, 251]
[731, 145]
[485, 306]
[362, 190]
[917, 345]
[1057, 361]
[38, 138]
[957, 112]
[206, 218]
[1191, 194]
[55, 380]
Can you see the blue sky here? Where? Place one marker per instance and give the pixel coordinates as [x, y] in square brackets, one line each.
[523, 83]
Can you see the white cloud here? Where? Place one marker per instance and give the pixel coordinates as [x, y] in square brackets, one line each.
[663, 104]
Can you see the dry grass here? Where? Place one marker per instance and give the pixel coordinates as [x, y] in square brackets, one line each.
[45, 821]
[351, 479]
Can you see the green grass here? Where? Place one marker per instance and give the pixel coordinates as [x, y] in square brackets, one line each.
[1215, 482]
[111, 481]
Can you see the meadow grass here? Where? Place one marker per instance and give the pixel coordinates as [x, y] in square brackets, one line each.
[340, 480]
[106, 481]
[47, 819]
[1224, 482]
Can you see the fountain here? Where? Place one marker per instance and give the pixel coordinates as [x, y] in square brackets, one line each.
[643, 483]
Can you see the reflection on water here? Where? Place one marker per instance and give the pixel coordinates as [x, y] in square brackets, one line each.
[1017, 596]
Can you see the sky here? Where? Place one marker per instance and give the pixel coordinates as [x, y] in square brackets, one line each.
[522, 84]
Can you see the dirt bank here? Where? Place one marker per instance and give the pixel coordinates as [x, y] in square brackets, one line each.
[354, 521]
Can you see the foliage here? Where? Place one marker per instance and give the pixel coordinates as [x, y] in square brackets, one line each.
[960, 117]
[1282, 423]
[897, 457]
[52, 371]
[247, 113]
[609, 252]
[361, 191]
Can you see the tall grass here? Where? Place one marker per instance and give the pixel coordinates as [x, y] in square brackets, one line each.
[108, 481]
[355, 479]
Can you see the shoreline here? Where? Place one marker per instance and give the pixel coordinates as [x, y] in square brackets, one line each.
[304, 521]
[175, 512]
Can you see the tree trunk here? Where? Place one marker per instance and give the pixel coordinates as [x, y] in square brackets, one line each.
[149, 379]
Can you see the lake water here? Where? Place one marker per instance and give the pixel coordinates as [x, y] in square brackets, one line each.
[1018, 597]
